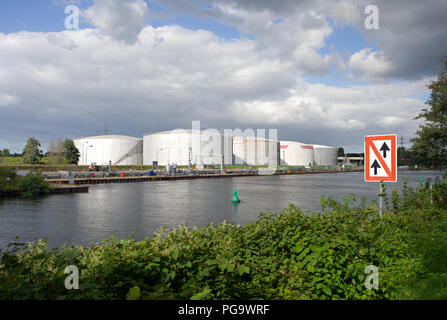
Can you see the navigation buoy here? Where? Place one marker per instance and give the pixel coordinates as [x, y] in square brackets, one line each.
[235, 197]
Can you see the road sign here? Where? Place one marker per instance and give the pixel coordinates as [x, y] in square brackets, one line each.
[381, 158]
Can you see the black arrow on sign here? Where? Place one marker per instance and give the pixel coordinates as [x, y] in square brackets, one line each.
[376, 166]
[384, 149]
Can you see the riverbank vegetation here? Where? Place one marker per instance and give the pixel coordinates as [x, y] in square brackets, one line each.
[30, 186]
[287, 256]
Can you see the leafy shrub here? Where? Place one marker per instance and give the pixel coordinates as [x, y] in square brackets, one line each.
[34, 185]
[440, 194]
[287, 256]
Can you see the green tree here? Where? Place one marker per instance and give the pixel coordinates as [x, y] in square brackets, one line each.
[341, 152]
[56, 154]
[430, 143]
[5, 153]
[32, 153]
[71, 152]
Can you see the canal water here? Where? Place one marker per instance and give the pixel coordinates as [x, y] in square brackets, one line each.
[142, 208]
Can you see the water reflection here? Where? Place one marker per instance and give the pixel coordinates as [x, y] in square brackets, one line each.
[235, 219]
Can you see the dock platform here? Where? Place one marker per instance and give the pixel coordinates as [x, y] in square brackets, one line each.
[66, 188]
[128, 179]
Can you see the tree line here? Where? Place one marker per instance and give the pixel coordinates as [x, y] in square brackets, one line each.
[59, 152]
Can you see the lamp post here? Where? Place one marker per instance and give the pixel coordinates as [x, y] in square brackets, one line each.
[85, 151]
[84, 162]
[85, 156]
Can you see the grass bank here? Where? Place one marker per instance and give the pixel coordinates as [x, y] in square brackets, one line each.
[286, 256]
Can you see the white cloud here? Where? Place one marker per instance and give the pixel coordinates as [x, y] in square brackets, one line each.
[295, 37]
[368, 65]
[311, 106]
[120, 19]
[411, 39]
[162, 78]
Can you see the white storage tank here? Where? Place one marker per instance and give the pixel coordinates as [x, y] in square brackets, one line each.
[296, 154]
[325, 155]
[120, 150]
[179, 146]
[256, 151]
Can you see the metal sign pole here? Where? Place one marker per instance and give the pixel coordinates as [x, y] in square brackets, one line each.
[381, 195]
[380, 162]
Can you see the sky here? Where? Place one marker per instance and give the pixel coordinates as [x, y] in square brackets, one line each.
[310, 69]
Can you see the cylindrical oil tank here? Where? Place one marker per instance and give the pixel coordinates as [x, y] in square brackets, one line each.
[325, 155]
[255, 151]
[239, 151]
[120, 150]
[180, 146]
[296, 154]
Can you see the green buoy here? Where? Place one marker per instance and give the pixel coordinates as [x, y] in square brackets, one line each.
[235, 198]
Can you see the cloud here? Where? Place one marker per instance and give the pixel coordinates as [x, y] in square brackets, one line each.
[119, 19]
[149, 84]
[288, 34]
[368, 65]
[7, 100]
[329, 108]
[146, 79]
[293, 37]
[411, 39]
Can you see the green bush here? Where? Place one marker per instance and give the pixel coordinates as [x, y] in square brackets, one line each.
[287, 256]
[440, 194]
[34, 185]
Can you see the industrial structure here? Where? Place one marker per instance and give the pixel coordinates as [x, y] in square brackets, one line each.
[187, 147]
[296, 154]
[255, 151]
[119, 150]
[325, 155]
[194, 147]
